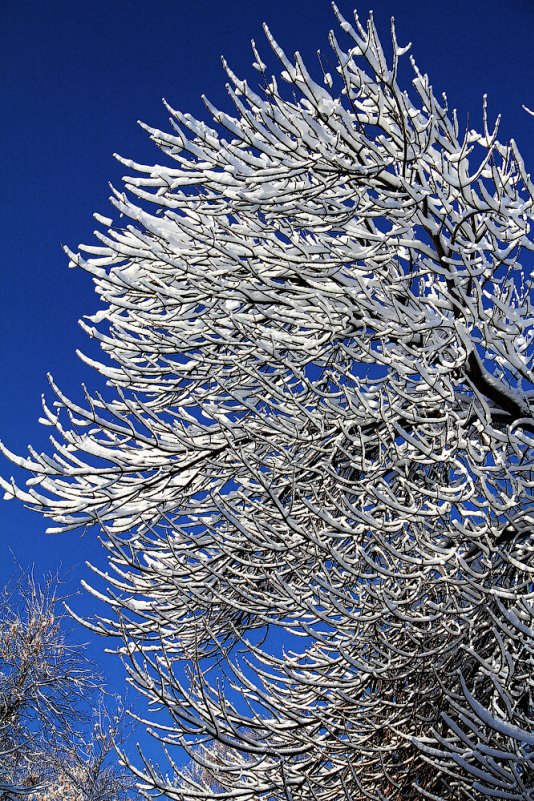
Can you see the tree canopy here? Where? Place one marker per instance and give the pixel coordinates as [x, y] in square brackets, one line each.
[312, 462]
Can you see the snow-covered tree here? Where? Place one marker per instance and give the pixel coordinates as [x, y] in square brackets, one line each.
[313, 461]
[205, 771]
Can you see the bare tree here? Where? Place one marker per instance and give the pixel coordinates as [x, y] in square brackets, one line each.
[313, 461]
[46, 751]
[41, 682]
[87, 768]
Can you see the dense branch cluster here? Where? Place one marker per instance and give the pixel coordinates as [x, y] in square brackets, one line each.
[313, 461]
[48, 752]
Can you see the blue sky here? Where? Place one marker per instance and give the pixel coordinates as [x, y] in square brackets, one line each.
[75, 78]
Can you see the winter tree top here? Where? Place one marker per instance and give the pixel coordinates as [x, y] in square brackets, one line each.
[317, 339]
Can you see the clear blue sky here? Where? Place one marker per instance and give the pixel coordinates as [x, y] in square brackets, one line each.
[76, 76]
